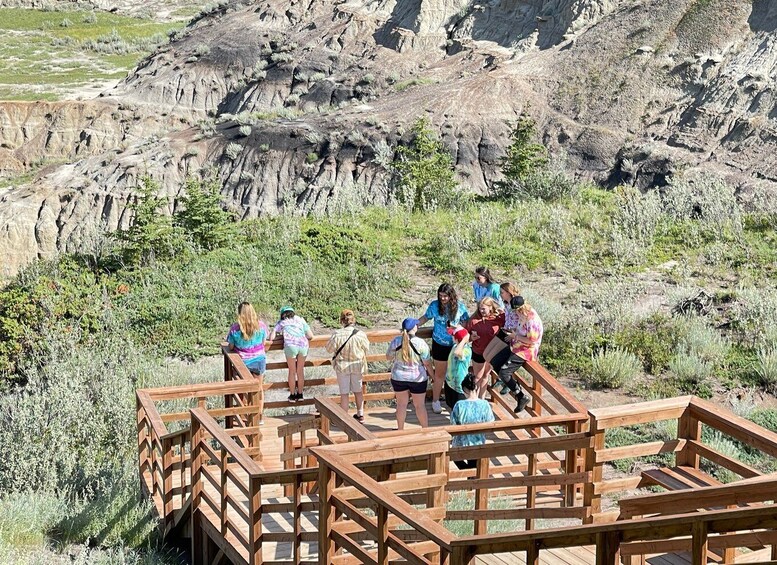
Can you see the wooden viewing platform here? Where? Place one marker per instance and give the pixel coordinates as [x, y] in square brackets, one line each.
[246, 493]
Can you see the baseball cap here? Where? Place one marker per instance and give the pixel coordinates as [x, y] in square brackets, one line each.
[286, 309]
[409, 323]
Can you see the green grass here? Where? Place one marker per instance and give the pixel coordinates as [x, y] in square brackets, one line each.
[40, 59]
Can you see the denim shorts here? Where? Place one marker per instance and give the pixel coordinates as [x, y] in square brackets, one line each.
[259, 366]
[292, 351]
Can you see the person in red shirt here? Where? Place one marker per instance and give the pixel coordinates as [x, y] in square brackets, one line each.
[483, 326]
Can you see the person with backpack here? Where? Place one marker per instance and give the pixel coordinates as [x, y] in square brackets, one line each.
[409, 372]
[349, 347]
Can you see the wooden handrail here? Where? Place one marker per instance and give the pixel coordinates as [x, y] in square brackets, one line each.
[217, 432]
[382, 497]
[219, 388]
[735, 426]
[639, 413]
[556, 389]
[760, 489]
[716, 521]
[354, 429]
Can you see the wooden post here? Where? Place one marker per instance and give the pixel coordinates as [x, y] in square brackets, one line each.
[224, 468]
[383, 535]
[297, 517]
[143, 441]
[531, 490]
[699, 548]
[481, 495]
[255, 525]
[254, 439]
[570, 466]
[438, 463]
[167, 473]
[533, 554]
[688, 428]
[607, 546]
[198, 557]
[591, 499]
[288, 447]
[228, 376]
[326, 517]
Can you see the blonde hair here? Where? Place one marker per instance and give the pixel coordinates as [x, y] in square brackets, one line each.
[247, 320]
[510, 288]
[347, 317]
[491, 303]
[407, 352]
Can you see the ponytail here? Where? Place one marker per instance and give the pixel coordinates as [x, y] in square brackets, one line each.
[407, 357]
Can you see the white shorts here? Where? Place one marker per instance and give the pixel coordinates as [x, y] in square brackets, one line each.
[349, 382]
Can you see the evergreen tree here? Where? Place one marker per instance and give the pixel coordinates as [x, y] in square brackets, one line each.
[524, 156]
[424, 171]
[151, 233]
[202, 217]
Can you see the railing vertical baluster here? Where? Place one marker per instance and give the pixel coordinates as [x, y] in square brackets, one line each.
[255, 556]
[288, 447]
[688, 428]
[699, 543]
[297, 518]
[326, 484]
[592, 499]
[143, 426]
[198, 558]
[531, 490]
[607, 546]
[533, 554]
[383, 535]
[481, 495]
[167, 474]
[570, 466]
[223, 467]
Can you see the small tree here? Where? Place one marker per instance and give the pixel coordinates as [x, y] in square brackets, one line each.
[524, 157]
[202, 217]
[151, 233]
[424, 171]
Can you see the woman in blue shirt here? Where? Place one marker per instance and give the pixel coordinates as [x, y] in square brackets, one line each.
[471, 410]
[484, 285]
[447, 311]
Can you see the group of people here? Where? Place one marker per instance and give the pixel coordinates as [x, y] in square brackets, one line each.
[502, 334]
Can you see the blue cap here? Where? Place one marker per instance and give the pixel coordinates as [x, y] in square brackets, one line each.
[409, 324]
[286, 309]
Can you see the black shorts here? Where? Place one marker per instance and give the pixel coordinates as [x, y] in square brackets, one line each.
[440, 352]
[412, 388]
[478, 358]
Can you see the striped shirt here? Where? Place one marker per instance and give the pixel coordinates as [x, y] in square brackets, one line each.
[353, 357]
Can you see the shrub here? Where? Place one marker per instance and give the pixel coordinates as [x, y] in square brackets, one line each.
[547, 184]
[65, 23]
[705, 198]
[201, 49]
[653, 340]
[692, 373]
[766, 368]
[637, 215]
[701, 341]
[244, 131]
[765, 417]
[90, 18]
[423, 172]
[611, 368]
[233, 151]
[311, 158]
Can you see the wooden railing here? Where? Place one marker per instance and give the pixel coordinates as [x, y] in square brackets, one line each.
[399, 529]
[164, 457]
[691, 414]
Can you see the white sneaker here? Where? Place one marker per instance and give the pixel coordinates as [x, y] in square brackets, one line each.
[436, 408]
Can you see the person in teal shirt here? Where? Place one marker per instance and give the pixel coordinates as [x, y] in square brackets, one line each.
[470, 410]
[447, 311]
[458, 366]
[484, 285]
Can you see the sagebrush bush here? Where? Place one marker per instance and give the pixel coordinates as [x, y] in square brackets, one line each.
[653, 340]
[546, 184]
[701, 341]
[233, 151]
[637, 215]
[705, 198]
[611, 368]
[691, 372]
[766, 368]
[754, 315]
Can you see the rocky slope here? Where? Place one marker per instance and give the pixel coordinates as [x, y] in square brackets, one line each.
[300, 103]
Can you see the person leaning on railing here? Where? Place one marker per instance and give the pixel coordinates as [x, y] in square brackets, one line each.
[409, 372]
[349, 347]
[247, 337]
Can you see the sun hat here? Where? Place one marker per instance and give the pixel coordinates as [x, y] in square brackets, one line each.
[286, 309]
[409, 323]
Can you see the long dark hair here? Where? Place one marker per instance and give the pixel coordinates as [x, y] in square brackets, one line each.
[485, 273]
[453, 301]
